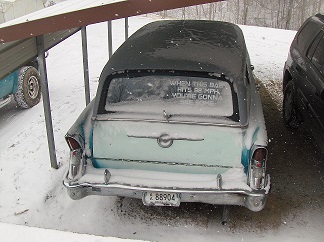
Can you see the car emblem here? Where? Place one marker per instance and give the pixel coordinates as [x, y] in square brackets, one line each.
[165, 141]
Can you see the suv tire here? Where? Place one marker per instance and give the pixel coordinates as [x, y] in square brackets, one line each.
[290, 113]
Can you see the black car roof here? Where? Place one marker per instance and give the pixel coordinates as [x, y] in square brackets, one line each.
[188, 45]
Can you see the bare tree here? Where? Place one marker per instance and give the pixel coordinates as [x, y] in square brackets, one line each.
[184, 13]
[319, 6]
[245, 11]
[288, 14]
[238, 11]
[302, 12]
[165, 13]
[198, 11]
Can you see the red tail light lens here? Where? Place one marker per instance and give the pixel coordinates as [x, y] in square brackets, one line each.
[257, 168]
[259, 156]
[74, 145]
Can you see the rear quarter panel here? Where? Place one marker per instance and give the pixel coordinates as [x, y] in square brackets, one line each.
[81, 130]
[256, 133]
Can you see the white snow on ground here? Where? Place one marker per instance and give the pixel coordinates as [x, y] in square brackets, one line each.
[268, 49]
[32, 194]
[12, 233]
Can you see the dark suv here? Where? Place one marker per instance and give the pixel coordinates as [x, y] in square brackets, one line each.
[303, 79]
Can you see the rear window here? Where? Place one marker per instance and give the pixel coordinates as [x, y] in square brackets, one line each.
[318, 57]
[308, 32]
[171, 97]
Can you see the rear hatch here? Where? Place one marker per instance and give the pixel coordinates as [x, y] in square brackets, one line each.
[172, 123]
[166, 147]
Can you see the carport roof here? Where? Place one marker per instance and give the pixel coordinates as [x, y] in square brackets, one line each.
[58, 22]
[78, 13]
[55, 23]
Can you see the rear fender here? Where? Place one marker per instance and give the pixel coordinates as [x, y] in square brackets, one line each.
[81, 130]
[254, 136]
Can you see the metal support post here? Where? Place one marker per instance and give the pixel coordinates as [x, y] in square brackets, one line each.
[85, 64]
[46, 100]
[126, 28]
[225, 216]
[109, 39]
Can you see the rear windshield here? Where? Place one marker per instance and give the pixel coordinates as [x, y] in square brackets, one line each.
[308, 32]
[170, 97]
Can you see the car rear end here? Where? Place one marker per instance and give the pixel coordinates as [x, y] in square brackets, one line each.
[169, 137]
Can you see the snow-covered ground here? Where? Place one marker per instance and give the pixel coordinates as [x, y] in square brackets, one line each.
[13, 232]
[32, 194]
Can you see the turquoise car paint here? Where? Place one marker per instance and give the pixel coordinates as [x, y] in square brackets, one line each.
[193, 144]
[90, 143]
[245, 159]
[255, 135]
[246, 153]
[9, 84]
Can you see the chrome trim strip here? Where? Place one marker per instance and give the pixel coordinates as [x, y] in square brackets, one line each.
[159, 136]
[170, 121]
[167, 163]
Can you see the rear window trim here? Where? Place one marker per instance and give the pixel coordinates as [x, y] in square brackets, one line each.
[137, 73]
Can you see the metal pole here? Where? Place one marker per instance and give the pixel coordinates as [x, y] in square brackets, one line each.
[126, 28]
[46, 100]
[85, 64]
[225, 215]
[109, 39]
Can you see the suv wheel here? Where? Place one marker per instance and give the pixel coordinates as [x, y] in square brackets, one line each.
[29, 89]
[291, 116]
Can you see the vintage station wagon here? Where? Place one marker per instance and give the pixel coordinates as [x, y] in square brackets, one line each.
[177, 118]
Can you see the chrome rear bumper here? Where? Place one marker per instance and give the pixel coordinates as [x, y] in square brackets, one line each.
[253, 200]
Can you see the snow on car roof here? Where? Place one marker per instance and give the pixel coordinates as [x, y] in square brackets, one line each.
[188, 45]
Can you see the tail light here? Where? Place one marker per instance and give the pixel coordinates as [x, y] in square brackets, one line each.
[258, 167]
[73, 143]
[75, 157]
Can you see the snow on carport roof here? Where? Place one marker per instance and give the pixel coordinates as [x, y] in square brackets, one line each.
[78, 13]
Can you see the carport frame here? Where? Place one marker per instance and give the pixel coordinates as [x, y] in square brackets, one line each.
[18, 34]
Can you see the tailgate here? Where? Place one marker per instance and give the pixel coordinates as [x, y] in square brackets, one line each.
[134, 145]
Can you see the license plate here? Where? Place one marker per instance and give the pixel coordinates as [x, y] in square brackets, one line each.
[161, 199]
